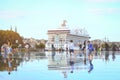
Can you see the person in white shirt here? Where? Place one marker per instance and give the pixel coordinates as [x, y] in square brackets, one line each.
[71, 47]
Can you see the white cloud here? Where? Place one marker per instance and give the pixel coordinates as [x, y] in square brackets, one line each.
[102, 1]
[104, 10]
[11, 14]
[16, 14]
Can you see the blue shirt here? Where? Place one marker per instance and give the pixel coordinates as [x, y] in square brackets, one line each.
[90, 47]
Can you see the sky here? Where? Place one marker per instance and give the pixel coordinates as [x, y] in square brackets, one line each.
[101, 18]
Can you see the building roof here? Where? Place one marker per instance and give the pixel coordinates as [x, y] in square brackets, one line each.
[65, 29]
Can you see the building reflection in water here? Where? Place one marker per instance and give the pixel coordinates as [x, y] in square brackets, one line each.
[67, 64]
[64, 64]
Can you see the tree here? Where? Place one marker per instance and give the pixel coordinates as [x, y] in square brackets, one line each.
[41, 47]
[10, 36]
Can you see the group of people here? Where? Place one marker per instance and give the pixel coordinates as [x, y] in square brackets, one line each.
[86, 49]
[6, 50]
[7, 55]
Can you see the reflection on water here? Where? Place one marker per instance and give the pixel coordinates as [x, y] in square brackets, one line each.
[60, 62]
[91, 66]
[113, 55]
[107, 55]
[11, 63]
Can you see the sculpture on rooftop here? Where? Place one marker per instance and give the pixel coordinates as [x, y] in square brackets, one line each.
[64, 23]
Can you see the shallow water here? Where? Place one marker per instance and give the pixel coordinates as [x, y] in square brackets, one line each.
[36, 67]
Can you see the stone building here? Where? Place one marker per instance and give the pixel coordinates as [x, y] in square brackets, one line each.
[62, 35]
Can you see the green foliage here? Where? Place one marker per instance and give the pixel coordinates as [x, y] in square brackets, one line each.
[10, 36]
[40, 46]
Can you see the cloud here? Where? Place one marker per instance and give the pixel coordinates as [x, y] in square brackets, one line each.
[104, 10]
[11, 14]
[18, 14]
[103, 1]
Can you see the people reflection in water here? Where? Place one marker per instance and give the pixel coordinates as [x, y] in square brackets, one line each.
[106, 52]
[65, 74]
[10, 64]
[91, 65]
[113, 55]
[4, 50]
[113, 51]
[27, 56]
[107, 55]
[71, 62]
[9, 68]
[53, 52]
[84, 60]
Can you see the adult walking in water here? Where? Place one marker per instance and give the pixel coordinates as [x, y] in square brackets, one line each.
[5, 51]
[90, 55]
[71, 47]
[9, 50]
[90, 49]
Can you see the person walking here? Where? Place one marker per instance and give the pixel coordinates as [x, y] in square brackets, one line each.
[5, 51]
[90, 49]
[71, 47]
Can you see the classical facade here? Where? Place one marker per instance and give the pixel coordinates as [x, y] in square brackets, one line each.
[62, 35]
